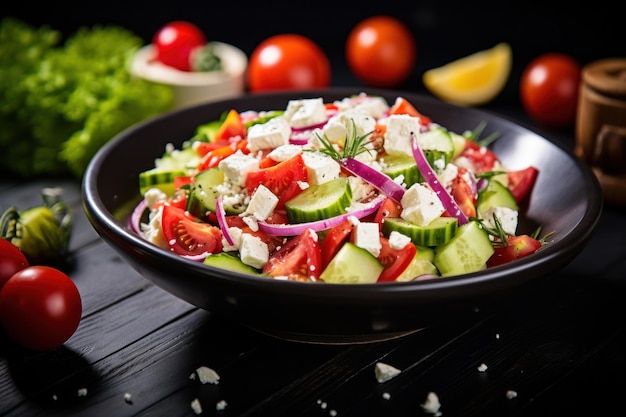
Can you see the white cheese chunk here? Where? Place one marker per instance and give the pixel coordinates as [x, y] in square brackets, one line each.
[253, 251]
[285, 152]
[321, 167]
[262, 203]
[374, 106]
[271, 134]
[348, 124]
[507, 217]
[367, 236]
[397, 139]
[420, 205]
[305, 112]
[237, 166]
[398, 240]
[235, 234]
[432, 404]
[152, 231]
[196, 406]
[208, 375]
[385, 372]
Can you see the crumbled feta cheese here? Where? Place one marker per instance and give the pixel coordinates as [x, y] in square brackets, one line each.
[237, 166]
[482, 367]
[348, 124]
[431, 405]
[285, 152]
[398, 240]
[152, 231]
[262, 203]
[271, 134]
[367, 236]
[196, 406]
[208, 375]
[305, 112]
[385, 372]
[386, 396]
[397, 138]
[421, 205]
[332, 413]
[374, 106]
[221, 405]
[254, 251]
[154, 196]
[506, 216]
[235, 234]
[321, 167]
[510, 394]
[128, 398]
[360, 188]
[82, 392]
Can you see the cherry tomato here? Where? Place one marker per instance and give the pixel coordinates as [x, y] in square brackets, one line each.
[288, 62]
[517, 247]
[381, 51]
[40, 307]
[187, 235]
[395, 261]
[520, 182]
[404, 106]
[482, 158]
[463, 194]
[389, 208]
[549, 89]
[281, 179]
[175, 41]
[12, 259]
[334, 239]
[299, 259]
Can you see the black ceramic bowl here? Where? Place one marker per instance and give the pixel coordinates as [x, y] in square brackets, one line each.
[566, 199]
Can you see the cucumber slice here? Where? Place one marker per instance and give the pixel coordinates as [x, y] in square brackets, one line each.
[495, 194]
[421, 264]
[458, 142]
[468, 251]
[203, 193]
[396, 165]
[185, 158]
[438, 147]
[230, 263]
[436, 233]
[320, 201]
[352, 265]
[160, 178]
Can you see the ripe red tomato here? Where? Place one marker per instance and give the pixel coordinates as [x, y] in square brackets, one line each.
[516, 247]
[549, 89]
[281, 179]
[482, 158]
[12, 259]
[521, 182]
[175, 41]
[381, 51]
[40, 307]
[395, 261]
[299, 259]
[186, 235]
[334, 239]
[288, 62]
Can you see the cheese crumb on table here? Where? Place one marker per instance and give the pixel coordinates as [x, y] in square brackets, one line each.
[432, 404]
[128, 398]
[196, 406]
[82, 392]
[385, 372]
[221, 405]
[510, 394]
[208, 375]
[482, 367]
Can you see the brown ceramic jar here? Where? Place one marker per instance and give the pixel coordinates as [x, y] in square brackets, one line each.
[601, 125]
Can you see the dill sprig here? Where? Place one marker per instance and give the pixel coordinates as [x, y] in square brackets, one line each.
[354, 145]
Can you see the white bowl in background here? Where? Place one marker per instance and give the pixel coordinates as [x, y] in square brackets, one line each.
[192, 88]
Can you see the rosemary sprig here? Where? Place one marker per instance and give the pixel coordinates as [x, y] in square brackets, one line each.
[354, 145]
[478, 130]
[502, 238]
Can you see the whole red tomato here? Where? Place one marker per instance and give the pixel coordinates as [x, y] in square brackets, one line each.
[549, 89]
[12, 259]
[381, 51]
[288, 62]
[174, 43]
[40, 307]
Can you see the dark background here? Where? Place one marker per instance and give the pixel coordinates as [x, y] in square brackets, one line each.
[443, 30]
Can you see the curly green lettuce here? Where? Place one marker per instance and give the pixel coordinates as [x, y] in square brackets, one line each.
[63, 102]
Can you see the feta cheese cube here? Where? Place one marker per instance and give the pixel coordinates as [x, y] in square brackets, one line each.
[397, 139]
[237, 166]
[285, 152]
[262, 203]
[374, 106]
[321, 167]
[271, 134]
[421, 205]
[398, 240]
[235, 234]
[507, 217]
[305, 112]
[367, 236]
[253, 251]
[348, 124]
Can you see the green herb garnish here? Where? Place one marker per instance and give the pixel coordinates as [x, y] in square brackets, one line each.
[354, 145]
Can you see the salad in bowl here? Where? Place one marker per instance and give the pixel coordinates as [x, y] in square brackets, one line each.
[357, 190]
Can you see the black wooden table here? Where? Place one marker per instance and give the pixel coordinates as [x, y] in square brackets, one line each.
[557, 349]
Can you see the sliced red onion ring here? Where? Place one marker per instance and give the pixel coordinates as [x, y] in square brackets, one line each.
[221, 220]
[446, 199]
[318, 226]
[136, 215]
[301, 137]
[379, 180]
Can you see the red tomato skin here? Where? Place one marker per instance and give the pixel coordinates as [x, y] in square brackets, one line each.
[281, 179]
[521, 182]
[300, 259]
[482, 158]
[40, 307]
[381, 51]
[463, 194]
[334, 239]
[517, 247]
[395, 261]
[549, 89]
[186, 235]
[288, 62]
[12, 260]
[174, 43]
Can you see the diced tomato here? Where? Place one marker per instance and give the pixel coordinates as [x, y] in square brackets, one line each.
[231, 127]
[482, 158]
[187, 235]
[403, 106]
[516, 247]
[213, 157]
[520, 182]
[182, 181]
[463, 195]
[395, 261]
[299, 259]
[281, 179]
[334, 239]
[389, 208]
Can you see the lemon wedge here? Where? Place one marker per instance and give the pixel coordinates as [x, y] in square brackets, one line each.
[474, 79]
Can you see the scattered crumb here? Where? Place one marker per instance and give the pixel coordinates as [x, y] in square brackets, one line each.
[386, 395]
[323, 405]
[192, 376]
[221, 405]
[497, 335]
[332, 413]
[82, 392]
[432, 405]
[319, 402]
[128, 398]
[196, 406]
[54, 397]
[482, 367]
[510, 394]
[385, 372]
[208, 375]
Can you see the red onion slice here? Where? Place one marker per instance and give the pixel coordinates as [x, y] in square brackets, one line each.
[446, 199]
[379, 180]
[221, 220]
[136, 215]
